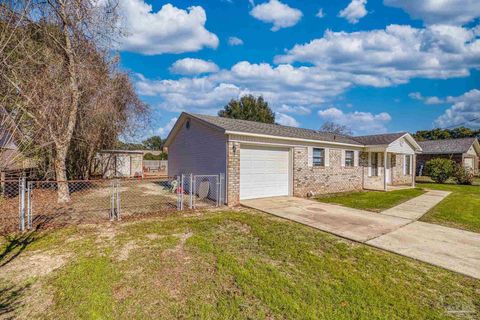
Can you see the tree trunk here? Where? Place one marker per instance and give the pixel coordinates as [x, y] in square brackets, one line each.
[63, 194]
[62, 148]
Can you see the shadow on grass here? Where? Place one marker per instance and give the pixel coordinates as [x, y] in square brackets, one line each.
[11, 298]
[16, 243]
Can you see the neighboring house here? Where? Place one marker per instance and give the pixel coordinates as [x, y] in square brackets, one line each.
[464, 151]
[264, 160]
[13, 164]
[119, 163]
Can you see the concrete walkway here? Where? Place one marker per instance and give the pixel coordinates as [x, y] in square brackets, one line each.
[414, 208]
[395, 230]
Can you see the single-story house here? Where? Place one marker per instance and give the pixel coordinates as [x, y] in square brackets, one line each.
[464, 151]
[265, 160]
[119, 163]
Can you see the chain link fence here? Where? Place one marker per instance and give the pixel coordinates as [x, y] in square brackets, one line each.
[32, 204]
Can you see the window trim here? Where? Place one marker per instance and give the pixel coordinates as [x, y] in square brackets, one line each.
[353, 159]
[322, 157]
[407, 165]
[374, 159]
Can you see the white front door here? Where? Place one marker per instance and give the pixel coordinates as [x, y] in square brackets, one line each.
[264, 172]
[388, 168]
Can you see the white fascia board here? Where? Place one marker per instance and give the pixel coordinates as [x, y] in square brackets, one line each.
[292, 139]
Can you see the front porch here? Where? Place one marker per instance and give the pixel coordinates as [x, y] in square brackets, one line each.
[388, 171]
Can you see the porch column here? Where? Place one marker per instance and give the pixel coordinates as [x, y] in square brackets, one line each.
[414, 168]
[385, 170]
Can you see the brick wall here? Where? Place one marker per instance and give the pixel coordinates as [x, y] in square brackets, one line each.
[233, 174]
[323, 180]
[398, 178]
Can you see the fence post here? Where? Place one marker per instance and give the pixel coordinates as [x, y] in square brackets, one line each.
[177, 191]
[29, 205]
[222, 194]
[117, 189]
[112, 200]
[21, 190]
[194, 205]
[190, 191]
[182, 190]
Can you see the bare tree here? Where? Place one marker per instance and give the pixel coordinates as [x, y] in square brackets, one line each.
[61, 79]
[332, 127]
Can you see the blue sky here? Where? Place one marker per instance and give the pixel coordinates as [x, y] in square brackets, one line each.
[375, 66]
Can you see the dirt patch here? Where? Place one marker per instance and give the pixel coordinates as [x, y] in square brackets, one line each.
[125, 251]
[105, 234]
[154, 236]
[37, 264]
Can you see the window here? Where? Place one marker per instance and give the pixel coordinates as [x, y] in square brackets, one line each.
[349, 158]
[318, 157]
[408, 164]
[374, 163]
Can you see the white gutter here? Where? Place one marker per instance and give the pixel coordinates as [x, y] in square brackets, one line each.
[293, 139]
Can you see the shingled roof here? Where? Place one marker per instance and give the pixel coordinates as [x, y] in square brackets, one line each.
[448, 146]
[277, 130]
[379, 139]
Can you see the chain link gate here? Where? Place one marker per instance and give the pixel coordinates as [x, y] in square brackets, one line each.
[200, 191]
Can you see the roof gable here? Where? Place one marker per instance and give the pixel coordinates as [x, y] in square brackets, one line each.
[448, 146]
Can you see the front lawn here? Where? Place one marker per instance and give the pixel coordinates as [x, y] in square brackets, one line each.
[372, 200]
[461, 209]
[220, 265]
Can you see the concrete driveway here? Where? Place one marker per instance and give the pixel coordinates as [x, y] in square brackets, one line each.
[398, 231]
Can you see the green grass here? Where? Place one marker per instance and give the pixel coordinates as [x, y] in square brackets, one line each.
[372, 200]
[232, 265]
[461, 209]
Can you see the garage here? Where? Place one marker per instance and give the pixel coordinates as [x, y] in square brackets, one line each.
[264, 172]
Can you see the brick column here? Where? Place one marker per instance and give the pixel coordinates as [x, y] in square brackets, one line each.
[233, 174]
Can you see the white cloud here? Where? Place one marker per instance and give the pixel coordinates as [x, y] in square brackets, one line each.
[286, 120]
[164, 131]
[235, 41]
[394, 55]
[465, 108]
[337, 61]
[457, 12]
[358, 122]
[300, 110]
[278, 13]
[354, 11]
[320, 13]
[191, 66]
[169, 30]
[426, 100]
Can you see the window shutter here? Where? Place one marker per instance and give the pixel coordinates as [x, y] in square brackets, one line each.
[310, 156]
[355, 158]
[370, 164]
[343, 158]
[327, 157]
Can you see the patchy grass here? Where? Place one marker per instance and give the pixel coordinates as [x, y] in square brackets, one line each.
[228, 265]
[461, 209]
[372, 200]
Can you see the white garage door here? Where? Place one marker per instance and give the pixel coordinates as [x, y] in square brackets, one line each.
[468, 163]
[264, 172]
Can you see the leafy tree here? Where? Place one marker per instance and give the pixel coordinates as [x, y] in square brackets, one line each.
[440, 170]
[248, 108]
[440, 134]
[161, 156]
[461, 175]
[332, 127]
[153, 143]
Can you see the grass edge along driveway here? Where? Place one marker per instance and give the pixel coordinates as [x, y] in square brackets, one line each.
[375, 201]
[461, 209]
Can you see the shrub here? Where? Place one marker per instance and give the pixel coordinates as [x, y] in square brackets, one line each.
[440, 169]
[462, 175]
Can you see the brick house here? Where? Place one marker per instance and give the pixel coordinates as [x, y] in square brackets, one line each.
[266, 160]
[464, 151]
